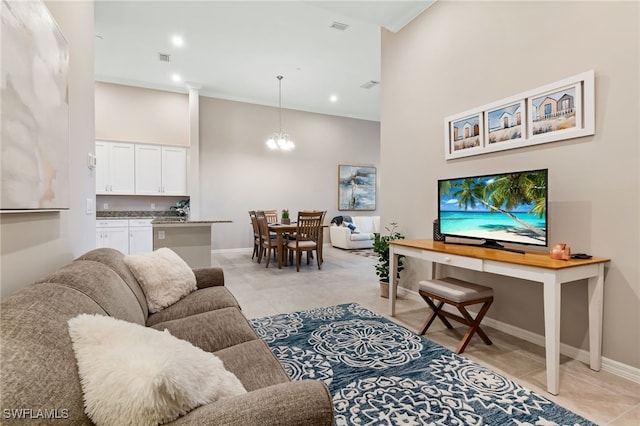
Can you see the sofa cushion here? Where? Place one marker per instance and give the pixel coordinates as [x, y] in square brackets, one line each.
[361, 237]
[115, 260]
[143, 375]
[254, 364]
[364, 224]
[211, 331]
[202, 300]
[103, 285]
[164, 276]
[37, 361]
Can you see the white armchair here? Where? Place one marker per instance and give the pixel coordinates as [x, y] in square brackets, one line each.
[361, 237]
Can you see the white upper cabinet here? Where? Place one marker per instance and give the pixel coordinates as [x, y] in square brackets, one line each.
[114, 168]
[148, 170]
[174, 170]
[161, 170]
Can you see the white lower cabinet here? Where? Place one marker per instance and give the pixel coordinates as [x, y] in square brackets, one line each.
[113, 234]
[140, 236]
[129, 236]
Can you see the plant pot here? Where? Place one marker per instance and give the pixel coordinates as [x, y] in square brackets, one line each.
[384, 289]
[286, 221]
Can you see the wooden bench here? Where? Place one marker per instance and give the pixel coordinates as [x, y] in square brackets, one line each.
[460, 294]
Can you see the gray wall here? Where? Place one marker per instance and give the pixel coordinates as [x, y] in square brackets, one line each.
[33, 244]
[460, 55]
[239, 173]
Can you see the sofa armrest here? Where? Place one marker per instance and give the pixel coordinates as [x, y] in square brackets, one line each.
[305, 402]
[209, 277]
[340, 236]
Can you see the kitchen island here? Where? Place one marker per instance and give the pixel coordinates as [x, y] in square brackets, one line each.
[190, 239]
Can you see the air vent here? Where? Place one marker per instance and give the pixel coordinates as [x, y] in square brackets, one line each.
[369, 84]
[163, 57]
[339, 26]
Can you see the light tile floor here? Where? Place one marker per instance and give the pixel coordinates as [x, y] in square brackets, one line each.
[601, 397]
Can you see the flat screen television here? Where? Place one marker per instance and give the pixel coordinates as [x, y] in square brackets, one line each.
[501, 207]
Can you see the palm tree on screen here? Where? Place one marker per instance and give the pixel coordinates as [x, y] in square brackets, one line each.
[504, 194]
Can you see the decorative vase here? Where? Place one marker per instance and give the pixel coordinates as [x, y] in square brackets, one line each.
[286, 221]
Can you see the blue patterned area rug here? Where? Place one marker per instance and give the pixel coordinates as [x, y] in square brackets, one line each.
[381, 373]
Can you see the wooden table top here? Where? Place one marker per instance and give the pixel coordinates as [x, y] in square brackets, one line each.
[530, 258]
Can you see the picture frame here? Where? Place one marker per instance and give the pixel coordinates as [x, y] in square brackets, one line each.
[506, 124]
[555, 113]
[35, 151]
[558, 111]
[464, 134]
[356, 187]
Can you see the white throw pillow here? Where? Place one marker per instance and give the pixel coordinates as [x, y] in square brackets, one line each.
[164, 276]
[131, 374]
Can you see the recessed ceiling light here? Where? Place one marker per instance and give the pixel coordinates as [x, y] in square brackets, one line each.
[176, 78]
[177, 41]
[333, 98]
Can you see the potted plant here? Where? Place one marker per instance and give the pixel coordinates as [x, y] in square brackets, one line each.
[381, 248]
[285, 217]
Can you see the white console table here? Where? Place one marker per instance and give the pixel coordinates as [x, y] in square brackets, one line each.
[531, 266]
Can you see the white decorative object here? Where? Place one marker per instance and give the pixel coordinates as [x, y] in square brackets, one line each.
[131, 374]
[164, 276]
[35, 109]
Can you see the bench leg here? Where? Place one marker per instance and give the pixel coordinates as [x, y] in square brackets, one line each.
[436, 313]
[474, 326]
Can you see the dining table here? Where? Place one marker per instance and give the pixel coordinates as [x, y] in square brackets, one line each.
[280, 229]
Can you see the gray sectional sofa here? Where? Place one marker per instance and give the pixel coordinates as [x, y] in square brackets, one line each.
[39, 377]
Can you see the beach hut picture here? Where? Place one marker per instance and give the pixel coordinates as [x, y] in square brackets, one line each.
[556, 111]
[466, 133]
[505, 123]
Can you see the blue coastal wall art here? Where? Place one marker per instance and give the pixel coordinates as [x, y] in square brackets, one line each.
[356, 187]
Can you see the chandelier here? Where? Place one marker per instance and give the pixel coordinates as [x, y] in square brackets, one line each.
[280, 140]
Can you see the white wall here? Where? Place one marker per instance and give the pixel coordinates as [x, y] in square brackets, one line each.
[136, 114]
[33, 244]
[459, 55]
[239, 173]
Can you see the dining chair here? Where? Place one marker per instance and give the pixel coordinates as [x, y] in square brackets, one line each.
[267, 241]
[307, 238]
[256, 234]
[271, 215]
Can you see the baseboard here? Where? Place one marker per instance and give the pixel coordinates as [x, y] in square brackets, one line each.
[609, 365]
[234, 250]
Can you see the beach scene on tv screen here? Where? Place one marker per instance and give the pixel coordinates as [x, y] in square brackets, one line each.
[508, 207]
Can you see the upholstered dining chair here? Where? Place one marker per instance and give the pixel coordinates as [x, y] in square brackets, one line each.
[307, 237]
[267, 241]
[256, 234]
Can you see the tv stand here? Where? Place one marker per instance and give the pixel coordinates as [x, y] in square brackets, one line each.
[532, 267]
[490, 244]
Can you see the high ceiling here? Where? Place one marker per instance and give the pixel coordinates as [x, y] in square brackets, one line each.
[235, 49]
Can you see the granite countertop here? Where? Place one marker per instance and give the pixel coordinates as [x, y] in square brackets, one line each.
[177, 221]
[135, 214]
[159, 217]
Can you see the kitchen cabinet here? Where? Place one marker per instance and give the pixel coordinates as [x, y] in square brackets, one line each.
[113, 234]
[140, 236]
[115, 168]
[160, 170]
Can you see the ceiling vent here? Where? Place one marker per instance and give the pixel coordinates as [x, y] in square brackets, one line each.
[369, 84]
[339, 26]
[163, 57]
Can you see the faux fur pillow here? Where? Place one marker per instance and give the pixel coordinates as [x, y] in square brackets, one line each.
[163, 275]
[131, 374]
